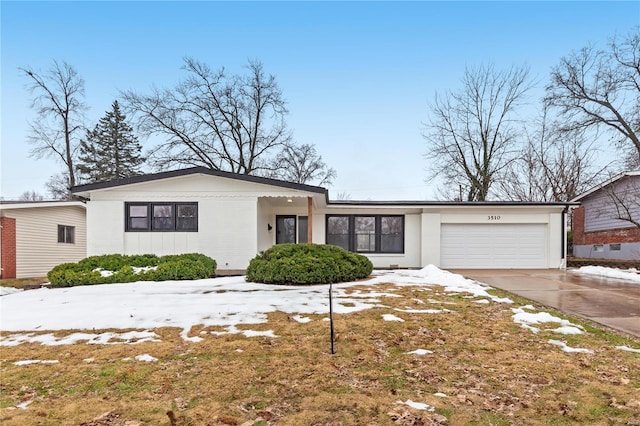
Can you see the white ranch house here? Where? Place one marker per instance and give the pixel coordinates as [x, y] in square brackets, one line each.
[232, 217]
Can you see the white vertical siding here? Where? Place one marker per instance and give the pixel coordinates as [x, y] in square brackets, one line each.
[37, 247]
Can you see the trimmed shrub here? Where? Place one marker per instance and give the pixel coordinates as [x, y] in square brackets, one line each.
[123, 269]
[307, 264]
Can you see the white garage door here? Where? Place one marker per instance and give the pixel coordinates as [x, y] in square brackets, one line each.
[508, 245]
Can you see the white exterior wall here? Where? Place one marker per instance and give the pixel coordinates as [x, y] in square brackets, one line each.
[37, 246]
[430, 238]
[232, 218]
[411, 258]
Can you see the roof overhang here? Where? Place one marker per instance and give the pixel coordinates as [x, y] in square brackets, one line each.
[605, 184]
[86, 190]
[13, 205]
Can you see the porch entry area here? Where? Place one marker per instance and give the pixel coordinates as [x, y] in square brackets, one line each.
[292, 229]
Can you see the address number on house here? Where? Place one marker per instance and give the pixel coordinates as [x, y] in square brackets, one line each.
[493, 217]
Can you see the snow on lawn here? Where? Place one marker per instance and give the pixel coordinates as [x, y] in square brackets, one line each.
[602, 271]
[526, 319]
[225, 302]
[8, 290]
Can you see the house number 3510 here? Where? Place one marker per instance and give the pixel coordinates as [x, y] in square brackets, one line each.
[492, 217]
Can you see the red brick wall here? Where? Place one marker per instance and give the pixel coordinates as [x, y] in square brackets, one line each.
[8, 248]
[581, 238]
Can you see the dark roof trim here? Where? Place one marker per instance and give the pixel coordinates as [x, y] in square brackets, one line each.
[351, 203]
[197, 170]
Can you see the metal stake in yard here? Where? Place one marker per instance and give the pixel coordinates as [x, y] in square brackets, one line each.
[331, 315]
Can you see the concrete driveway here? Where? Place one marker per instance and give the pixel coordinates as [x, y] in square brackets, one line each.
[610, 302]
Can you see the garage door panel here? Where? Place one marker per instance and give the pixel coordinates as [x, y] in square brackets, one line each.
[493, 246]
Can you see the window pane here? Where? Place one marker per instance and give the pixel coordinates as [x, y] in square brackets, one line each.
[137, 217]
[187, 217]
[60, 234]
[137, 211]
[338, 225]
[139, 223]
[338, 231]
[365, 232]
[69, 231]
[163, 217]
[391, 234]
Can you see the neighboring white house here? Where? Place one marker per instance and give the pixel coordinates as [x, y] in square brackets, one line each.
[607, 225]
[38, 235]
[232, 217]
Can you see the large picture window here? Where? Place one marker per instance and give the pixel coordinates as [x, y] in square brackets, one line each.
[161, 217]
[366, 234]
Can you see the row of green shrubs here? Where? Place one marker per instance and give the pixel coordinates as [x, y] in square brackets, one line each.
[307, 264]
[281, 264]
[191, 266]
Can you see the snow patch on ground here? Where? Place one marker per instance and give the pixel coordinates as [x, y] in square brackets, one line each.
[247, 333]
[9, 290]
[569, 349]
[301, 319]
[423, 311]
[146, 358]
[628, 349]
[391, 317]
[420, 352]
[526, 319]
[602, 271]
[36, 361]
[109, 338]
[417, 405]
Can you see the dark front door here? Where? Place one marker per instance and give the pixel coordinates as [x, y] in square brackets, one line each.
[285, 229]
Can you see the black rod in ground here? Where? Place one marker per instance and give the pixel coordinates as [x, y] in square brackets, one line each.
[331, 315]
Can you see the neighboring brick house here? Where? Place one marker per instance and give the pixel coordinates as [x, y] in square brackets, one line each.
[35, 236]
[607, 225]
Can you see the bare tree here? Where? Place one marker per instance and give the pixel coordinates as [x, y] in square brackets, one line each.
[302, 164]
[31, 196]
[471, 136]
[212, 119]
[58, 94]
[554, 165]
[58, 187]
[594, 88]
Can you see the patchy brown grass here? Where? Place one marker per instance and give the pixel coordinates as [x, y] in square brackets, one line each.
[22, 282]
[492, 371]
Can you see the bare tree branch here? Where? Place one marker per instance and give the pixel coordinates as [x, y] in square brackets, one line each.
[57, 100]
[212, 119]
[601, 89]
[471, 136]
[554, 166]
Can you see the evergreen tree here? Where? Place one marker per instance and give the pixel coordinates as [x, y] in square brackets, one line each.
[110, 150]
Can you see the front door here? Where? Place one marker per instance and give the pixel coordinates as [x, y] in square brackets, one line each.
[285, 229]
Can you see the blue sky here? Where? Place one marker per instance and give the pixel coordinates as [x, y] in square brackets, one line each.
[358, 76]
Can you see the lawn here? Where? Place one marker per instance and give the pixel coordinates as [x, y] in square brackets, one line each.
[411, 348]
